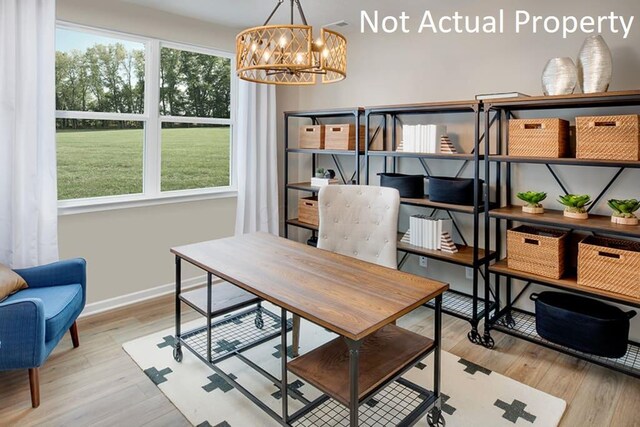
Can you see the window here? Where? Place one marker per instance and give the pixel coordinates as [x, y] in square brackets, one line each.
[140, 119]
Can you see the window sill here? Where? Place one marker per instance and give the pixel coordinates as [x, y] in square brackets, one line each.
[72, 207]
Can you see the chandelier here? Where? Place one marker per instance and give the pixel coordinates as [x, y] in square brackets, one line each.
[288, 54]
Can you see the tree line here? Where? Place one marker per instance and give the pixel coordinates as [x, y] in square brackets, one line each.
[111, 78]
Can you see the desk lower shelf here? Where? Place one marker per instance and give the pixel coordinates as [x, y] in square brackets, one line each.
[383, 356]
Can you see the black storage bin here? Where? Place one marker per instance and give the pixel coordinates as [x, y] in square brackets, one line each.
[457, 191]
[583, 324]
[409, 186]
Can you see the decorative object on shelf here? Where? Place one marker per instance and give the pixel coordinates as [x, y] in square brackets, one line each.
[539, 137]
[288, 54]
[595, 65]
[457, 191]
[623, 211]
[400, 148]
[311, 137]
[533, 199]
[320, 173]
[427, 232]
[446, 243]
[422, 138]
[575, 205]
[537, 250]
[409, 186]
[308, 210]
[446, 146]
[560, 77]
[583, 324]
[608, 137]
[343, 137]
[610, 264]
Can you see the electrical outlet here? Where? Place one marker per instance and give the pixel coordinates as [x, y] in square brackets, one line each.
[468, 273]
[423, 261]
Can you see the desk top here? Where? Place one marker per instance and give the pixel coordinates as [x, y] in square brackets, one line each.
[350, 297]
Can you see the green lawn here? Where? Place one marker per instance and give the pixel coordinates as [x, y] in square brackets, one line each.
[105, 163]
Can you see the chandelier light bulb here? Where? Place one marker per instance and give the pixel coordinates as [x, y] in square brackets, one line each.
[266, 56]
[254, 46]
[299, 58]
[283, 42]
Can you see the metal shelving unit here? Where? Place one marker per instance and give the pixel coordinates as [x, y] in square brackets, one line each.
[509, 319]
[458, 304]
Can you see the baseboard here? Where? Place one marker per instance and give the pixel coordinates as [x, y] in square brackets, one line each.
[136, 297]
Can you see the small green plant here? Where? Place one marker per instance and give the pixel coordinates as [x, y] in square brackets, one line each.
[532, 198]
[624, 208]
[575, 203]
[320, 173]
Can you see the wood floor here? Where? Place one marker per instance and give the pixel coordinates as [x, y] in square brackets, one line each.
[99, 385]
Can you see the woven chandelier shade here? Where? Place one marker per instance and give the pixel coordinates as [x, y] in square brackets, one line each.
[289, 55]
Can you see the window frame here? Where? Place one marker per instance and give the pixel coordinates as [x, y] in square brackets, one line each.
[152, 124]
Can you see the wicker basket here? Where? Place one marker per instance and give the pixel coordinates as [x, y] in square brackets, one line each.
[308, 210]
[312, 136]
[610, 264]
[608, 137]
[539, 138]
[535, 250]
[342, 137]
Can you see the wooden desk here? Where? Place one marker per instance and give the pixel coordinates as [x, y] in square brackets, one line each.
[357, 300]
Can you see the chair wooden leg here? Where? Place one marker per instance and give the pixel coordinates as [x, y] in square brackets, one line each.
[74, 335]
[34, 383]
[295, 345]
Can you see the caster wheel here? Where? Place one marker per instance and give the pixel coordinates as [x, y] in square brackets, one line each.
[474, 336]
[435, 419]
[488, 342]
[177, 354]
[259, 322]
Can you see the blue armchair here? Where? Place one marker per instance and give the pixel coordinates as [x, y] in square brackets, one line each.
[34, 320]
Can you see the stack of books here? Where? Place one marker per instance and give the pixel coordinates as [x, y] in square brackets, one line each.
[422, 138]
[321, 182]
[426, 232]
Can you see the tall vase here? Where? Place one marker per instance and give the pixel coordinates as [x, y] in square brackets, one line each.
[559, 77]
[595, 65]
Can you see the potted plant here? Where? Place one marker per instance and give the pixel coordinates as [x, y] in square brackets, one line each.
[623, 211]
[575, 205]
[320, 173]
[533, 199]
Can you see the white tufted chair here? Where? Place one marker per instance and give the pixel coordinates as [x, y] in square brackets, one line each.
[358, 221]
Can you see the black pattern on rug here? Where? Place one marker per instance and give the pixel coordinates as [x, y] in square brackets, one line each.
[217, 382]
[158, 377]
[472, 368]
[514, 411]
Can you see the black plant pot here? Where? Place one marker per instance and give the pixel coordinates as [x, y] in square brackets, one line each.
[409, 186]
[457, 191]
[583, 324]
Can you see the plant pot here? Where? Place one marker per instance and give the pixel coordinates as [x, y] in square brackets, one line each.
[624, 221]
[532, 210]
[575, 215]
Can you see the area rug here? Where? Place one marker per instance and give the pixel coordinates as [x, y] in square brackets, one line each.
[472, 395]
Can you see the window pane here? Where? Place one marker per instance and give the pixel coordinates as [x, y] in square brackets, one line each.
[99, 158]
[195, 156]
[96, 73]
[194, 84]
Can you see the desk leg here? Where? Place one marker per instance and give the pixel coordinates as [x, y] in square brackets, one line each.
[209, 282]
[177, 349]
[435, 417]
[354, 369]
[283, 356]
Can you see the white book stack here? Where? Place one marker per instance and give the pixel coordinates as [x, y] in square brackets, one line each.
[426, 232]
[422, 138]
[321, 182]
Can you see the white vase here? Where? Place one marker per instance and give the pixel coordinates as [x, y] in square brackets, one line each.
[560, 77]
[595, 65]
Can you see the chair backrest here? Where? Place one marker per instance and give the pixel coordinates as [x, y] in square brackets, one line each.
[360, 221]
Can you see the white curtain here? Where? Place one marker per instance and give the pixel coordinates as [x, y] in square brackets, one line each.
[257, 152]
[28, 194]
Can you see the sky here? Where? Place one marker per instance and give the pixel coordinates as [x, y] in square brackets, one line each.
[68, 40]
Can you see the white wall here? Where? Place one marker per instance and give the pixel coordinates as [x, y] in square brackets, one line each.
[400, 68]
[127, 250]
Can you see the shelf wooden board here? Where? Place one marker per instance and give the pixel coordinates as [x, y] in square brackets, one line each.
[588, 100]
[304, 186]
[567, 161]
[225, 297]
[297, 223]
[440, 156]
[569, 282]
[338, 112]
[463, 106]
[383, 356]
[318, 151]
[595, 223]
[437, 205]
[464, 256]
